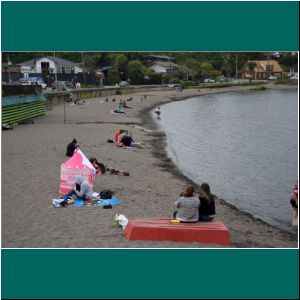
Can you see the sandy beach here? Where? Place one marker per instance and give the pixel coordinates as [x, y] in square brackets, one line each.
[31, 159]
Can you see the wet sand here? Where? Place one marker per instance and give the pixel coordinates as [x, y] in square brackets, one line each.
[31, 159]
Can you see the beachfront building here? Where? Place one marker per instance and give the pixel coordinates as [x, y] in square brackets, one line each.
[261, 69]
[49, 65]
[172, 68]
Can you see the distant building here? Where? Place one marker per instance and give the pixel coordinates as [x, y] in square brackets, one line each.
[163, 67]
[48, 65]
[263, 69]
[172, 68]
[158, 58]
[10, 73]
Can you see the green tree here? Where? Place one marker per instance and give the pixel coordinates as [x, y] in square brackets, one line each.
[113, 76]
[136, 72]
[251, 65]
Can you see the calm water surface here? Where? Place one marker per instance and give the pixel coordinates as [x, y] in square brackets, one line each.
[245, 145]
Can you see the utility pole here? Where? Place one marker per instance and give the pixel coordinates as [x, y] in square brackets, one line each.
[55, 74]
[83, 66]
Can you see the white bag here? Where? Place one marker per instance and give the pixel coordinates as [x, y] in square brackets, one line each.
[122, 220]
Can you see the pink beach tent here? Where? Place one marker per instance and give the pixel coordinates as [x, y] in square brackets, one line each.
[78, 164]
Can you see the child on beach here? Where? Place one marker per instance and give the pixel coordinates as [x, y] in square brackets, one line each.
[294, 203]
[187, 206]
[207, 204]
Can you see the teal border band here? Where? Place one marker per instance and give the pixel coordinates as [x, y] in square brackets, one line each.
[177, 274]
[150, 26]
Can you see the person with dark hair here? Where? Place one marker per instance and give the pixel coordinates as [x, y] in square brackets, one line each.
[187, 206]
[118, 133]
[294, 203]
[207, 206]
[101, 168]
[71, 147]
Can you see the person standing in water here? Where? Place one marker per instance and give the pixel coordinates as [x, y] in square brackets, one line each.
[157, 112]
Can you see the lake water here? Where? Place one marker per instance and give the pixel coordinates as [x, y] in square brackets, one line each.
[245, 145]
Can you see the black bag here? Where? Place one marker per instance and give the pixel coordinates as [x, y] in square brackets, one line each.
[106, 194]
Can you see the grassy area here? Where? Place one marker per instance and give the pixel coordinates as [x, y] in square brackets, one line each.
[286, 81]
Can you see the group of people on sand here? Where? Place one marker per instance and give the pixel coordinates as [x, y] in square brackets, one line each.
[191, 208]
[123, 138]
[83, 189]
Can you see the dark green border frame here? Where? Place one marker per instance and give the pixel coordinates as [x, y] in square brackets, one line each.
[150, 26]
[173, 274]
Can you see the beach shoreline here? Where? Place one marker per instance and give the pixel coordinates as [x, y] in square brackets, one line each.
[150, 168]
[168, 164]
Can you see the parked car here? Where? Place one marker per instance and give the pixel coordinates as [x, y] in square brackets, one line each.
[207, 80]
[61, 85]
[295, 76]
[272, 77]
[33, 81]
[123, 83]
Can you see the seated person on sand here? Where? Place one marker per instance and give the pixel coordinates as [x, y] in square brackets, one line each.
[124, 104]
[101, 168]
[71, 147]
[118, 133]
[83, 190]
[294, 203]
[207, 206]
[187, 206]
[126, 140]
[120, 110]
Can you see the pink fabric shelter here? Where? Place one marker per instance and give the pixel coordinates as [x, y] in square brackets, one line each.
[78, 164]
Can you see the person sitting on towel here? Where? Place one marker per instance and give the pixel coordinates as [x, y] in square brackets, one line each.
[120, 110]
[126, 140]
[187, 206]
[207, 206]
[71, 148]
[101, 168]
[83, 189]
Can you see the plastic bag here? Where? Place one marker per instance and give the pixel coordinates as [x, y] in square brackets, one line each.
[121, 221]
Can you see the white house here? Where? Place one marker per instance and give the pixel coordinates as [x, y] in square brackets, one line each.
[162, 67]
[50, 64]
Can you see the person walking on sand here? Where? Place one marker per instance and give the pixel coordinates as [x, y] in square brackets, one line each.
[83, 190]
[187, 206]
[294, 203]
[71, 147]
[207, 206]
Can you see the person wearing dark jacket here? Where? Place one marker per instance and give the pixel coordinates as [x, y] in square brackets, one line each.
[207, 206]
[71, 148]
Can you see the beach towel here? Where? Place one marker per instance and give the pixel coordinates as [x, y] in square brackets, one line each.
[100, 202]
[112, 111]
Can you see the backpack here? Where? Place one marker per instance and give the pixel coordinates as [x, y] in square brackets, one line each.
[106, 194]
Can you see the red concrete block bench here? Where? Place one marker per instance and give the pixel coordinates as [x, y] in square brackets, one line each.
[214, 232]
